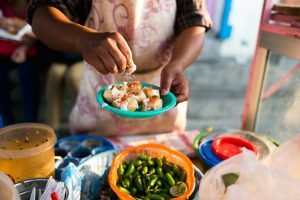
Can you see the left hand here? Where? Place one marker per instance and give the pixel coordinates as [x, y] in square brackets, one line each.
[173, 78]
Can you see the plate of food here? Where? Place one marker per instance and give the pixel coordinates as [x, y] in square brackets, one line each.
[135, 99]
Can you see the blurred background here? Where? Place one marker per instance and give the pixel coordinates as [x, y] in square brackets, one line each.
[218, 78]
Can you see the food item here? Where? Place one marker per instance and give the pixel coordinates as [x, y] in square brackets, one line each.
[130, 95]
[151, 178]
[114, 92]
[153, 103]
[125, 103]
[134, 87]
[140, 97]
[130, 68]
[150, 91]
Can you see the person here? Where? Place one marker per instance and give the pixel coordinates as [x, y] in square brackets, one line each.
[65, 70]
[17, 55]
[161, 37]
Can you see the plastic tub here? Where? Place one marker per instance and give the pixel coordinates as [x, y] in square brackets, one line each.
[27, 151]
[155, 151]
[25, 188]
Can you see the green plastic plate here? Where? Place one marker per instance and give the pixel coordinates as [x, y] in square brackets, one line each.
[169, 101]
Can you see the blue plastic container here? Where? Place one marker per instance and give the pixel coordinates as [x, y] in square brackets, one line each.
[207, 155]
[80, 154]
[72, 142]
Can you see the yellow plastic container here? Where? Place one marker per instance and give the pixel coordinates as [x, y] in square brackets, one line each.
[27, 151]
[155, 151]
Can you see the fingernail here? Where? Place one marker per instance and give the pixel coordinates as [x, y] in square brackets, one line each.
[164, 92]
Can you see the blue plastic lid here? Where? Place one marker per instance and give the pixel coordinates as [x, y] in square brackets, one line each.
[207, 155]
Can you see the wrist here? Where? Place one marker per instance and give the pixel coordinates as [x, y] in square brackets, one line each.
[82, 34]
[176, 64]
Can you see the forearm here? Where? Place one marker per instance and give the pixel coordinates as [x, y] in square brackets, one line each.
[53, 28]
[187, 47]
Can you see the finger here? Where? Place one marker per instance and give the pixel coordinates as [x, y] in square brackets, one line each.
[181, 91]
[124, 48]
[99, 65]
[181, 98]
[165, 83]
[118, 57]
[109, 62]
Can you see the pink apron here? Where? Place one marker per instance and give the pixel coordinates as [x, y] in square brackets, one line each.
[148, 27]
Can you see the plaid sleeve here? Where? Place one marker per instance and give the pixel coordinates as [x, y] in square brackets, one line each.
[191, 13]
[75, 10]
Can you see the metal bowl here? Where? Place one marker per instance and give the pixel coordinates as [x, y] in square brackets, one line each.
[25, 187]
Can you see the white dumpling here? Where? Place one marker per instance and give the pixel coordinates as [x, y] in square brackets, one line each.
[152, 103]
[114, 92]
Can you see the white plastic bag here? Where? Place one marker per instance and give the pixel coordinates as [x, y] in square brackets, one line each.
[276, 177]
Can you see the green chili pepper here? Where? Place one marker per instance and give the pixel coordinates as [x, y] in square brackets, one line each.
[126, 183]
[165, 190]
[133, 190]
[152, 182]
[155, 197]
[170, 179]
[143, 157]
[153, 176]
[138, 162]
[145, 170]
[130, 170]
[122, 189]
[138, 183]
[182, 176]
[159, 162]
[166, 196]
[151, 162]
[158, 182]
[171, 172]
[159, 171]
[175, 169]
[121, 170]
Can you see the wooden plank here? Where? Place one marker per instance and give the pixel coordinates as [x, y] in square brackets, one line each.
[287, 9]
[281, 30]
[282, 44]
[254, 89]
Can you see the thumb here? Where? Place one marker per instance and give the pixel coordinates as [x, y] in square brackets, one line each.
[165, 83]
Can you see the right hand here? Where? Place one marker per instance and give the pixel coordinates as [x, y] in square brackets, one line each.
[107, 52]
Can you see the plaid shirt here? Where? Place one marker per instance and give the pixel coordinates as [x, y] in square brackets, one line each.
[189, 12]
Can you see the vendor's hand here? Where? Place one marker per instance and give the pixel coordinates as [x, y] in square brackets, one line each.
[107, 52]
[173, 78]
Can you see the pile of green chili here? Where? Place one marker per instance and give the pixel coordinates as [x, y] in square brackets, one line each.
[149, 178]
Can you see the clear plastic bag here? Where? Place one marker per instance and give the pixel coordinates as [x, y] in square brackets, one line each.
[276, 177]
[72, 180]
